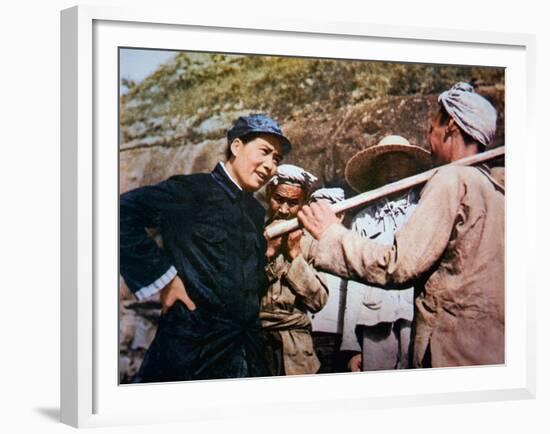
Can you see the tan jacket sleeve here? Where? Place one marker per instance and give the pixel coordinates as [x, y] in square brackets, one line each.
[305, 281]
[417, 247]
[274, 270]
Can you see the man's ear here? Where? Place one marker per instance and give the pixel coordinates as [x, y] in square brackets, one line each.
[452, 127]
[236, 146]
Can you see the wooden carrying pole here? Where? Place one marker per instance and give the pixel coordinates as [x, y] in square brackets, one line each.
[387, 190]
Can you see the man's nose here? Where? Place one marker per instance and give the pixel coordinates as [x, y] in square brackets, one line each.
[284, 209]
[269, 165]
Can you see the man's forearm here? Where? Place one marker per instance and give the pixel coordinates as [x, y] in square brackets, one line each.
[308, 283]
[344, 253]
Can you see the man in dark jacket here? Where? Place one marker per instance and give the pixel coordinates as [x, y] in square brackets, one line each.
[210, 271]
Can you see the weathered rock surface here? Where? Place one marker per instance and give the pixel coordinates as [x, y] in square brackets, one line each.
[323, 140]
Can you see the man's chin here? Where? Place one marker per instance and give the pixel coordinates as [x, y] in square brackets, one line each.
[252, 187]
[259, 183]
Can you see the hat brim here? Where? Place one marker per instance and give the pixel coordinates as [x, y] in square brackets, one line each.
[287, 146]
[360, 168]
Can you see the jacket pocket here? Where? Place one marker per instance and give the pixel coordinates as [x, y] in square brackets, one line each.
[373, 298]
[302, 344]
[209, 233]
[211, 247]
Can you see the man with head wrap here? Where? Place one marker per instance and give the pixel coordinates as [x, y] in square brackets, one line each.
[451, 249]
[295, 287]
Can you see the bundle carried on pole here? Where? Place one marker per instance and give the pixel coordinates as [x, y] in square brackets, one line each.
[387, 190]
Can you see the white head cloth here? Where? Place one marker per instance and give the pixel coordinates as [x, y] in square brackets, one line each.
[290, 174]
[473, 113]
[333, 195]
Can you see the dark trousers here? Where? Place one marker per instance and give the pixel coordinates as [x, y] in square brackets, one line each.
[327, 348]
[274, 353]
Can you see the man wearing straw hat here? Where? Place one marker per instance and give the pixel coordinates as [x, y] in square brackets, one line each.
[377, 322]
[451, 249]
[295, 286]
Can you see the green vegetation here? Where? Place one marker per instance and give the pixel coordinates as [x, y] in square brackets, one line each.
[199, 86]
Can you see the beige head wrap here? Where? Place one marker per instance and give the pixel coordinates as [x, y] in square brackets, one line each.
[473, 113]
[290, 174]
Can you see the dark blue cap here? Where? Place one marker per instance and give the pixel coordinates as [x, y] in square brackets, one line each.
[257, 123]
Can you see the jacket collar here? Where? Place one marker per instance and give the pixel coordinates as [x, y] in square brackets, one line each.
[223, 179]
[496, 177]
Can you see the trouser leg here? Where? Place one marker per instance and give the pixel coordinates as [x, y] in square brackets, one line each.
[402, 329]
[327, 346]
[380, 347]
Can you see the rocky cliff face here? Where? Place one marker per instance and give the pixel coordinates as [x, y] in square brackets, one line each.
[175, 122]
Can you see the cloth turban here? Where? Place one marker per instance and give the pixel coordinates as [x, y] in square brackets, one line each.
[290, 174]
[473, 113]
[333, 195]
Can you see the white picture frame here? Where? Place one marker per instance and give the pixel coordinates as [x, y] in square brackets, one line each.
[90, 394]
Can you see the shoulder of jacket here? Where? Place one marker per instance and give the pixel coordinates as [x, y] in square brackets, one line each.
[463, 178]
[452, 176]
[471, 174]
[190, 187]
[194, 178]
[460, 172]
[450, 171]
[195, 181]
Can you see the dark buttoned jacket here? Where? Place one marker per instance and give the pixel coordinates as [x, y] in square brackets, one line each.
[212, 235]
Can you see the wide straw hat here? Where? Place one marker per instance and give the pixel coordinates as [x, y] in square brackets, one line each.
[360, 169]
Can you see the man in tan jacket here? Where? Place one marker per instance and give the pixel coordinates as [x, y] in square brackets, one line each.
[295, 287]
[451, 249]
[378, 322]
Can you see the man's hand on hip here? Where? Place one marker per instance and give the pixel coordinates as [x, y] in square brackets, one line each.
[174, 291]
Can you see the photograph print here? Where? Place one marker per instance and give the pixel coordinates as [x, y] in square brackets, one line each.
[217, 150]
